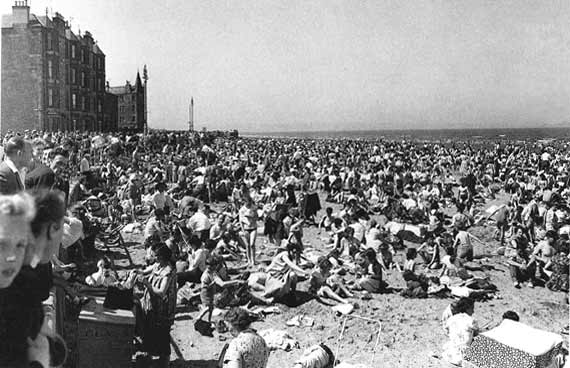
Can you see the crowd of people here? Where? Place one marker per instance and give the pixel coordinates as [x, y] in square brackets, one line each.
[201, 200]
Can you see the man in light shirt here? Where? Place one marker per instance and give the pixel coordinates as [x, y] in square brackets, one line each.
[84, 166]
[200, 224]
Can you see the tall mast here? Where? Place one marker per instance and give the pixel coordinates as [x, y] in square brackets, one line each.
[191, 115]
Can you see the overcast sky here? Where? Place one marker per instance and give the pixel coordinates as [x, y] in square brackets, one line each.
[294, 65]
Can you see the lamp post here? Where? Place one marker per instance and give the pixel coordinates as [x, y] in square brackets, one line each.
[145, 78]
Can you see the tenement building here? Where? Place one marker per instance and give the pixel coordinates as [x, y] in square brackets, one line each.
[54, 79]
[130, 105]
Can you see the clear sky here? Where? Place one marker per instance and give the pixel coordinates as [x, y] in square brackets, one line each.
[293, 65]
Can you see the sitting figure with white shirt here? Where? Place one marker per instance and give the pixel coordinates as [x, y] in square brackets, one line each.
[192, 270]
[200, 223]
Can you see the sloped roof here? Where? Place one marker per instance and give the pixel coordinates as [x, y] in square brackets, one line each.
[44, 20]
[97, 50]
[70, 35]
[8, 20]
[120, 90]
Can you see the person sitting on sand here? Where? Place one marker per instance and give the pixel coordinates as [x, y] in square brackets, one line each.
[450, 267]
[559, 265]
[517, 257]
[247, 349]
[326, 286]
[155, 226]
[349, 245]
[327, 220]
[227, 248]
[280, 279]
[461, 328]
[373, 234]
[410, 264]
[337, 232]
[370, 279]
[460, 221]
[543, 253]
[192, 270]
[429, 251]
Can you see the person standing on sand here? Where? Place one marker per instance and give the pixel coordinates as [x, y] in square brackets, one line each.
[248, 222]
[463, 247]
[157, 306]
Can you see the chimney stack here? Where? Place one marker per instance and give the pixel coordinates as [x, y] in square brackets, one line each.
[20, 12]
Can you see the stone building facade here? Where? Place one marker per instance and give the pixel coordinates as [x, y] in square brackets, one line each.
[52, 78]
[130, 105]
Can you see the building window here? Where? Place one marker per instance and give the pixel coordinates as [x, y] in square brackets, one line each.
[74, 100]
[73, 76]
[82, 79]
[49, 41]
[99, 107]
[50, 97]
[73, 51]
[83, 103]
[50, 69]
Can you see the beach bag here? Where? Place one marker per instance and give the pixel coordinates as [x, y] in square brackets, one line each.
[118, 298]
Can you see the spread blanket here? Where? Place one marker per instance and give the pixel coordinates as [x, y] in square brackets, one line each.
[513, 344]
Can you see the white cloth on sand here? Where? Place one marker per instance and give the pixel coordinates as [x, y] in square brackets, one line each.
[278, 339]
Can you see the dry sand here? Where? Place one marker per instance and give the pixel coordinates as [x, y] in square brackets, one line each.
[410, 327]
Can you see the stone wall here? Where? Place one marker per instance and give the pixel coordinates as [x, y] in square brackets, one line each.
[22, 79]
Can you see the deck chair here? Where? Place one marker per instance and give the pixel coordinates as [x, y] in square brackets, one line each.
[114, 238]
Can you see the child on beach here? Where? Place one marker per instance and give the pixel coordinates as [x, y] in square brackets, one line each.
[327, 220]
[324, 285]
[410, 264]
[370, 279]
[209, 281]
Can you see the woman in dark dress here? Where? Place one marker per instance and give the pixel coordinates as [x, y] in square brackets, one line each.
[158, 306]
